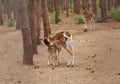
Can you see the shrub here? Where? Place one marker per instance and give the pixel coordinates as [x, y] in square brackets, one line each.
[79, 19]
[52, 18]
[114, 15]
[11, 22]
[71, 8]
[98, 19]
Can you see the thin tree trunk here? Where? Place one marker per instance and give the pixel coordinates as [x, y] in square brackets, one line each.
[109, 5]
[76, 6]
[7, 8]
[103, 10]
[94, 7]
[116, 4]
[67, 8]
[15, 4]
[85, 4]
[38, 21]
[1, 18]
[46, 23]
[17, 15]
[56, 12]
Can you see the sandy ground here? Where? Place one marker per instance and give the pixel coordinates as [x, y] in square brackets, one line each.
[97, 57]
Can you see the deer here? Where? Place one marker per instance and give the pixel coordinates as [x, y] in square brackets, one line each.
[55, 43]
[88, 18]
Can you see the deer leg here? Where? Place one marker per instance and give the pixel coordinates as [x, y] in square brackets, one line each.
[72, 56]
[49, 59]
[85, 25]
[69, 50]
[94, 24]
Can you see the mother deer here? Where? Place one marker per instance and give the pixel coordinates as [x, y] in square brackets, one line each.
[55, 43]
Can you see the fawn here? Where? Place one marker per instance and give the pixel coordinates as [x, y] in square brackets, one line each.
[55, 43]
[88, 19]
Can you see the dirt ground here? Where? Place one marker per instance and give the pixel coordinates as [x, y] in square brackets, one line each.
[97, 57]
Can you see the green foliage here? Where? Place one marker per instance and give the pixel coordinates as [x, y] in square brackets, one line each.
[79, 19]
[52, 18]
[98, 19]
[71, 8]
[11, 22]
[115, 15]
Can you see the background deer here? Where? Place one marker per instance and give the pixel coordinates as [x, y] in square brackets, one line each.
[55, 43]
[89, 19]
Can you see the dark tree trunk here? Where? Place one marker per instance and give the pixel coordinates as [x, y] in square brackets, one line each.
[33, 23]
[103, 10]
[56, 11]
[67, 8]
[46, 23]
[109, 5]
[38, 21]
[76, 6]
[7, 8]
[85, 4]
[1, 18]
[26, 34]
[63, 5]
[116, 4]
[17, 14]
[94, 7]
[15, 6]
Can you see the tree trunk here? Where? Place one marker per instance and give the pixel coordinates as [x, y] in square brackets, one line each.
[85, 4]
[109, 5]
[38, 21]
[26, 34]
[56, 11]
[103, 10]
[46, 23]
[116, 4]
[33, 23]
[1, 18]
[67, 8]
[76, 6]
[17, 14]
[94, 7]
[62, 5]
[7, 8]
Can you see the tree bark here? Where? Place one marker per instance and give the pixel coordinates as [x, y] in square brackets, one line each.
[67, 8]
[26, 34]
[94, 7]
[1, 18]
[85, 4]
[109, 5]
[7, 8]
[76, 6]
[17, 14]
[56, 11]
[46, 23]
[33, 23]
[103, 10]
[38, 21]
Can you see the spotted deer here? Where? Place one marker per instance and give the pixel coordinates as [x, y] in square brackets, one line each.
[55, 43]
[88, 18]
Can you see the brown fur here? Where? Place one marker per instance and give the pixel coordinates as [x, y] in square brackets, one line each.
[60, 40]
[88, 18]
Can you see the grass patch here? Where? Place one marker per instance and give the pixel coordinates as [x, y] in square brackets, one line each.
[11, 22]
[98, 19]
[115, 15]
[52, 18]
[79, 19]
